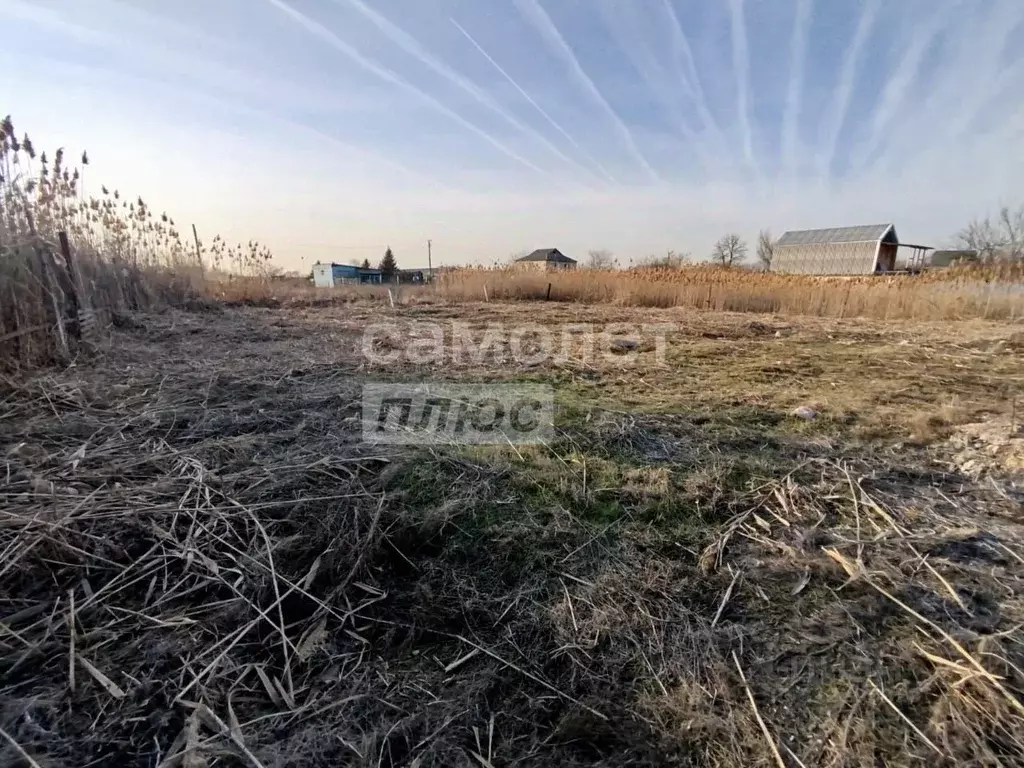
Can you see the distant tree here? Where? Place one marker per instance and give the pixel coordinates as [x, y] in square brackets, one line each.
[676, 259]
[388, 265]
[1012, 224]
[992, 240]
[765, 249]
[981, 236]
[366, 264]
[671, 260]
[729, 250]
[600, 259]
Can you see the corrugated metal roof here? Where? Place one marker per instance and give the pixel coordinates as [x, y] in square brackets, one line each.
[869, 232]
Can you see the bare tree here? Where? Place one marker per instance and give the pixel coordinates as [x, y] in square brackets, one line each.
[1012, 225]
[671, 260]
[1002, 238]
[765, 249]
[676, 259]
[600, 259]
[982, 237]
[729, 250]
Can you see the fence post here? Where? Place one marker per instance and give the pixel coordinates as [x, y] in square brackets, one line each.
[199, 252]
[74, 307]
[548, 297]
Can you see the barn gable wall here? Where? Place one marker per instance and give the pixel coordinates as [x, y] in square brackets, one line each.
[825, 258]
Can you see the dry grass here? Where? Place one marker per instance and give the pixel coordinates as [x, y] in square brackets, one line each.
[203, 565]
[300, 292]
[958, 294]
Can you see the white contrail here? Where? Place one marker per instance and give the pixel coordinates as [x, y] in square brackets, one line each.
[741, 66]
[985, 82]
[639, 53]
[844, 91]
[539, 18]
[354, 149]
[896, 89]
[795, 87]
[689, 77]
[410, 45]
[530, 99]
[975, 82]
[319, 30]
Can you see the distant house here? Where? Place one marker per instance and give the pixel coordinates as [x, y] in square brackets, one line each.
[545, 260]
[330, 275]
[863, 250]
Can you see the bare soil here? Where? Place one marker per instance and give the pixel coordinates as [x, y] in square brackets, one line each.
[204, 565]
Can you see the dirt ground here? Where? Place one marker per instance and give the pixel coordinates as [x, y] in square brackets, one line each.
[203, 564]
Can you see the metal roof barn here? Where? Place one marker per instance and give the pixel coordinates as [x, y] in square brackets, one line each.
[862, 250]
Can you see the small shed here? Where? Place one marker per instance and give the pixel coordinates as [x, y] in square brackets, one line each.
[546, 260]
[949, 258]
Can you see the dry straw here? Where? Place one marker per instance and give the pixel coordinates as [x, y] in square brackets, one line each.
[71, 260]
[993, 292]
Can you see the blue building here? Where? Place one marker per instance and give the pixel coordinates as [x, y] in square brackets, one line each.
[330, 275]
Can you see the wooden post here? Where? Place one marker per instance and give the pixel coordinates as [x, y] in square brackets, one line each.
[548, 297]
[74, 306]
[199, 252]
[486, 298]
[391, 298]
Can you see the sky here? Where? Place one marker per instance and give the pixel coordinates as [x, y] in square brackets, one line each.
[331, 129]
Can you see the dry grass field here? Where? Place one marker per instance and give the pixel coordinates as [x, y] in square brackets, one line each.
[204, 565]
[977, 291]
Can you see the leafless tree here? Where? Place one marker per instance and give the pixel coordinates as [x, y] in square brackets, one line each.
[729, 250]
[671, 260]
[765, 249]
[1012, 224]
[981, 236]
[1002, 238]
[600, 259]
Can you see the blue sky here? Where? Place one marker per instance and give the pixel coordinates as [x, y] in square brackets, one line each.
[331, 128]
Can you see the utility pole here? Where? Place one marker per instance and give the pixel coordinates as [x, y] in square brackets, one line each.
[430, 266]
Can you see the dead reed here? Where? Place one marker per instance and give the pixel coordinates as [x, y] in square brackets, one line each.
[967, 293]
[70, 261]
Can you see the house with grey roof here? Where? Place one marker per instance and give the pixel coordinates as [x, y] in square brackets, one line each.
[863, 250]
[545, 260]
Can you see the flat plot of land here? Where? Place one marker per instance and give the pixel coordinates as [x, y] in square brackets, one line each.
[204, 564]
